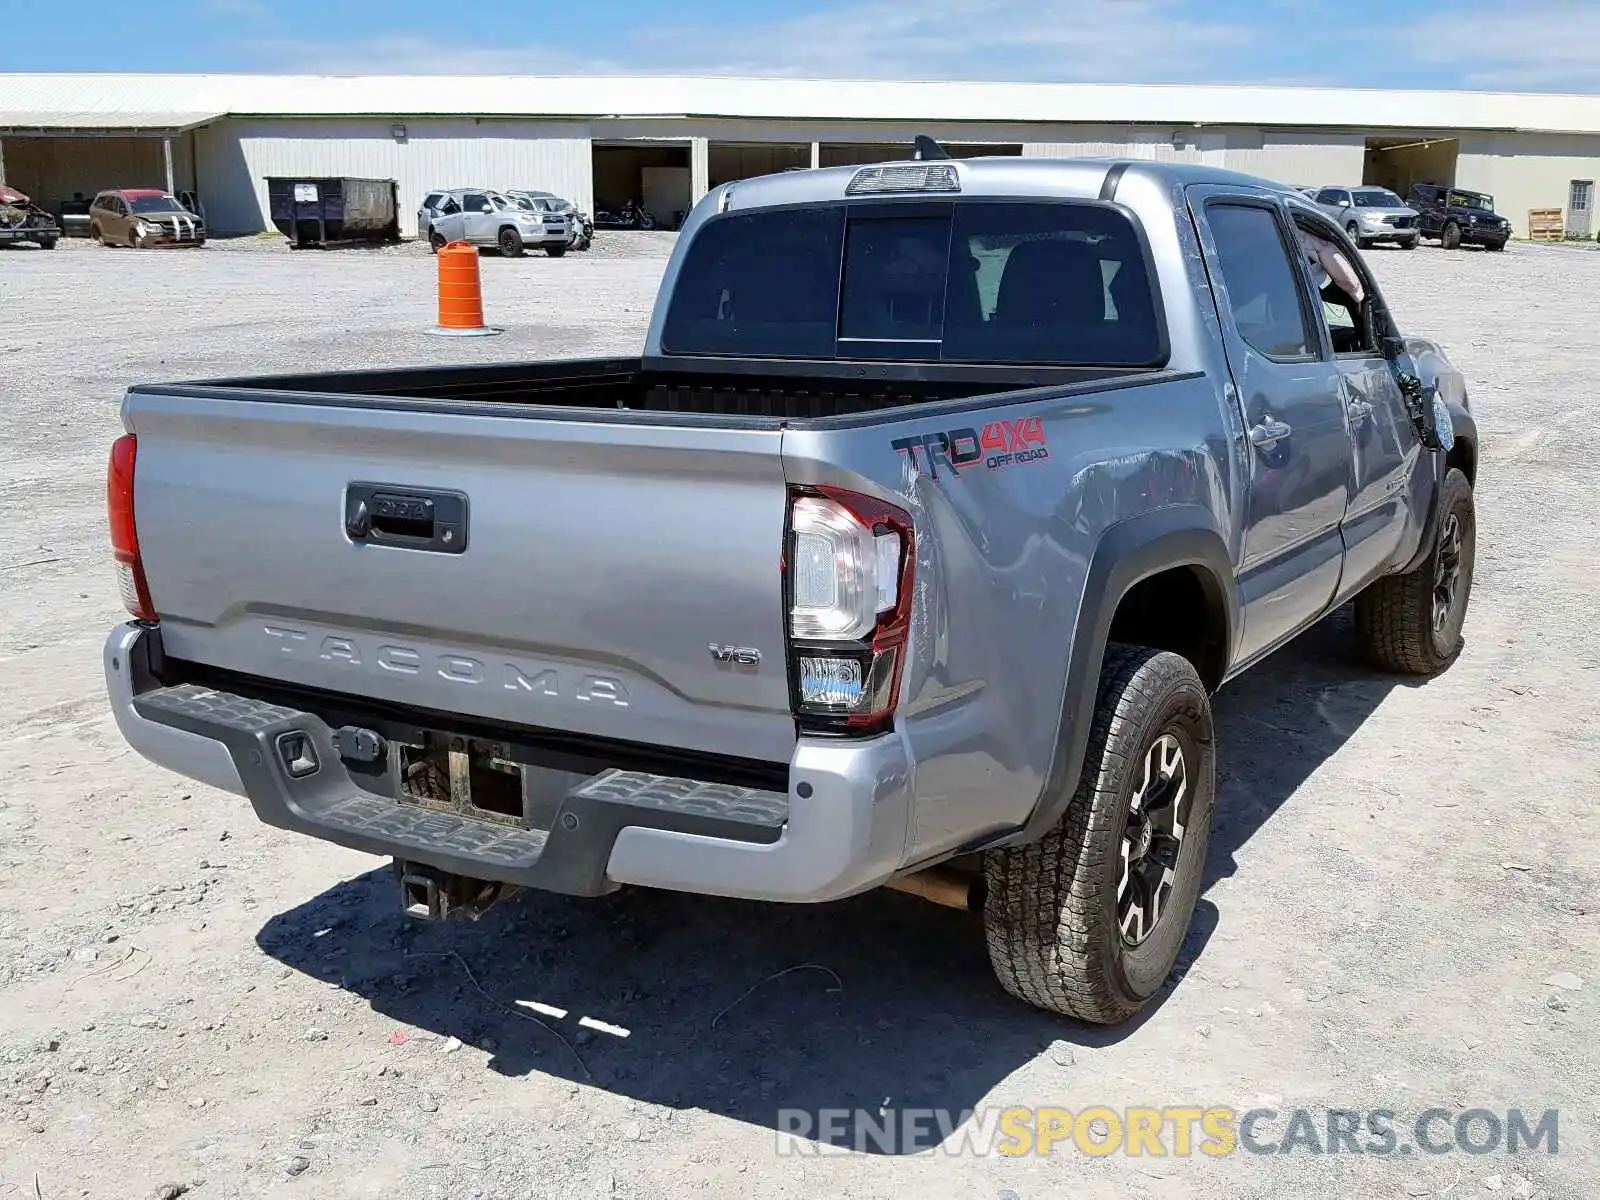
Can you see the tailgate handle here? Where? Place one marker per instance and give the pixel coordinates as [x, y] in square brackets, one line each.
[378, 514]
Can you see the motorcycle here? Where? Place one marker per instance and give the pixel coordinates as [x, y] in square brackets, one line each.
[582, 235]
[629, 216]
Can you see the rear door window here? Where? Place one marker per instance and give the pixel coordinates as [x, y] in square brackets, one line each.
[1263, 287]
[1057, 283]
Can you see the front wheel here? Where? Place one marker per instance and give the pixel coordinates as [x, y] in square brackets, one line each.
[510, 243]
[1411, 624]
[436, 241]
[47, 243]
[1355, 235]
[1495, 246]
[555, 251]
[1088, 920]
[1450, 238]
[1410, 243]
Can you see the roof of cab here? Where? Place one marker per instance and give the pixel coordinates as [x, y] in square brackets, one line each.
[1012, 175]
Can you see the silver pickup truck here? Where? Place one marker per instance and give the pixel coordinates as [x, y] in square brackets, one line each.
[909, 552]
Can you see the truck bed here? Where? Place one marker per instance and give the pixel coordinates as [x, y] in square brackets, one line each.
[413, 538]
[762, 393]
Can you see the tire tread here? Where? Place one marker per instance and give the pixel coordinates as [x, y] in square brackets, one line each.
[1045, 907]
[1394, 615]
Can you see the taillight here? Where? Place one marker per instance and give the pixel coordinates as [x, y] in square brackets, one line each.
[124, 533]
[849, 562]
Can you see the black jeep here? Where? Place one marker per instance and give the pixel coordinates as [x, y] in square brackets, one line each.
[1458, 217]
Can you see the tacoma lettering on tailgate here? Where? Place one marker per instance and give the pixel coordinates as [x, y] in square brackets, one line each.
[395, 659]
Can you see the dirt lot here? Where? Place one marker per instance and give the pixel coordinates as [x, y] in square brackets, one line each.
[1403, 909]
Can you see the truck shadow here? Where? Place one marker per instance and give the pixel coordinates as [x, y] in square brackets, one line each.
[881, 1004]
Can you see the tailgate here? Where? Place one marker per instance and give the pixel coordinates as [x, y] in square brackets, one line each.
[598, 564]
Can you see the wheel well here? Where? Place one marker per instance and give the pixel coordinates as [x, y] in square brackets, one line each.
[1465, 456]
[1181, 609]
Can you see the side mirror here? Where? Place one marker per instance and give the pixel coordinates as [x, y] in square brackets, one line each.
[1435, 430]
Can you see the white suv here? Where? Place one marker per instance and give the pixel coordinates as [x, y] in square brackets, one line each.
[486, 218]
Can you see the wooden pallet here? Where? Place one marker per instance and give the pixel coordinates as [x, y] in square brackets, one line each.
[1547, 224]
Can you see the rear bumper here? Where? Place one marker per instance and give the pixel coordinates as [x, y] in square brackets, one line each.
[841, 828]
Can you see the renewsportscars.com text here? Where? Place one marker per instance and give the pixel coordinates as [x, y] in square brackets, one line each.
[1169, 1131]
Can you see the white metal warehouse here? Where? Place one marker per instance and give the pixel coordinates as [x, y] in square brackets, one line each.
[664, 141]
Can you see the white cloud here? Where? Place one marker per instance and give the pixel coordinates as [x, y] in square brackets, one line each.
[404, 54]
[1072, 40]
[1115, 40]
[1554, 46]
[1134, 41]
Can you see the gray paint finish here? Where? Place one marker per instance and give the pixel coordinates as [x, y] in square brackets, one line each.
[616, 549]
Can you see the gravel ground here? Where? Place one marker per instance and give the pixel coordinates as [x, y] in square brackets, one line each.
[1400, 912]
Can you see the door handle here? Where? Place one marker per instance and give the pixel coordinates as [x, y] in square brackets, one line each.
[1269, 433]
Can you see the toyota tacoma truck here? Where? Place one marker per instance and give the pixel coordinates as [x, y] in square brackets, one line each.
[909, 551]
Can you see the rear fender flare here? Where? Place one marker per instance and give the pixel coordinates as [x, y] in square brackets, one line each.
[1132, 550]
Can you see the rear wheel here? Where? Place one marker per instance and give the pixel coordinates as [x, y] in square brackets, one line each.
[1450, 238]
[510, 243]
[1088, 920]
[1411, 623]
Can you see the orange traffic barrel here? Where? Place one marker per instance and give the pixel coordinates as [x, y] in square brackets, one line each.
[460, 292]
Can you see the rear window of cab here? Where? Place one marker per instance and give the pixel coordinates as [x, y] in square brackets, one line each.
[1054, 282]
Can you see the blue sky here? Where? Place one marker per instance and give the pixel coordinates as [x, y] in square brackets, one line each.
[1491, 44]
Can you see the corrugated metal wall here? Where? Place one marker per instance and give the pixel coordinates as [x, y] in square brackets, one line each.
[1287, 156]
[1300, 158]
[236, 156]
[1528, 170]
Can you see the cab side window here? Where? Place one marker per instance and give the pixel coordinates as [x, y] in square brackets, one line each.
[449, 207]
[1264, 288]
[475, 203]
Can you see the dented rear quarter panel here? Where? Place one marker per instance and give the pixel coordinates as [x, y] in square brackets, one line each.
[1004, 547]
[1003, 554]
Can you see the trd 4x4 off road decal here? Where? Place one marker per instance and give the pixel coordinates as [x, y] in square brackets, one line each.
[998, 444]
